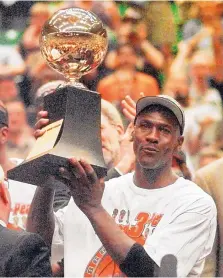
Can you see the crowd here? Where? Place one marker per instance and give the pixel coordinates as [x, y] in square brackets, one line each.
[158, 212]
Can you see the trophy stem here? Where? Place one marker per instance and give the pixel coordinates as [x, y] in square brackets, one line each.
[74, 82]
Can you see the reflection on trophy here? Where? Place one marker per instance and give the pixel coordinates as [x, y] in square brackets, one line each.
[73, 42]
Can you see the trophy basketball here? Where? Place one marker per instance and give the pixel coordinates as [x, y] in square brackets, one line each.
[73, 42]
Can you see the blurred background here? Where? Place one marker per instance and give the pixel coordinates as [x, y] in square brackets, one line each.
[155, 47]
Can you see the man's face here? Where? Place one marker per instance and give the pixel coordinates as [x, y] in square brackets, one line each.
[155, 140]
[127, 56]
[17, 116]
[110, 138]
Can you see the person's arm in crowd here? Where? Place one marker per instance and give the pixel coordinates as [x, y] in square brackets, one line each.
[14, 66]
[127, 161]
[179, 62]
[217, 38]
[41, 216]
[152, 54]
[185, 49]
[11, 71]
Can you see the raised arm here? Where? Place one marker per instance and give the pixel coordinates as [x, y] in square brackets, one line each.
[41, 216]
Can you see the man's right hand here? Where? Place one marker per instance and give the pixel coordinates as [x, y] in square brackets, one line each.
[42, 121]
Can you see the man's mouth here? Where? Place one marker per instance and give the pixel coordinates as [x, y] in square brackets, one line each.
[150, 150]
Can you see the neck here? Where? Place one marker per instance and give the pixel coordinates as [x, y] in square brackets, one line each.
[154, 178]
[14, 137]
[5, 163]
[200, 85]
[126, 68]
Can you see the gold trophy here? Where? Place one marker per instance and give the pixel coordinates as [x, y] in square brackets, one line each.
[73, 42]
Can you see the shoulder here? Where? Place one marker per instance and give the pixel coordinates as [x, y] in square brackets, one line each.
[192, 199]
[20, 240]
[210, 177]
[211, 169]
[116, 181]
[107, 80]
[115, 186]
[30, 241]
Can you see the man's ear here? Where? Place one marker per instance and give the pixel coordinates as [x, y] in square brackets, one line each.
[120, 131]
[132, 136]
[180, 141]
[4, 135]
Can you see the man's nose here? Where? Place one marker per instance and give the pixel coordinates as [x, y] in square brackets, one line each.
[153, 135]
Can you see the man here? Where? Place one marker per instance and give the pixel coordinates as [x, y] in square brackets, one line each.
[20, 139]
[138, 222]
[209, 178]
[22, 254]
[126, 80]
[21, 193]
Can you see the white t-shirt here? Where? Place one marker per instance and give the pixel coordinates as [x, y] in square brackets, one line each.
[21, 197]
[179, 219]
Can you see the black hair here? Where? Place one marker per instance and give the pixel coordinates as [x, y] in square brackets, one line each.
[4, 117]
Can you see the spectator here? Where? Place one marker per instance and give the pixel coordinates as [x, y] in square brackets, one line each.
[178, 210]
[126, 80]
[133, 31]
[21, 194]
[22, 254]
[11, 62]
[204, 108]
[20, 139]
[107, 11]
[38, 72]
[11, 66]
[209, 155]
[209, 178]
[9, 86]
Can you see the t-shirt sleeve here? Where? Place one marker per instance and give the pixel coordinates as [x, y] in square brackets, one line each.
[57, 249]
[188, 237]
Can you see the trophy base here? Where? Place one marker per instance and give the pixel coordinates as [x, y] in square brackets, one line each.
[74, 130]
[37, 171]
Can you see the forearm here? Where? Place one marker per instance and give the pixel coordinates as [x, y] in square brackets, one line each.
[218, 52]
[153, 55]
[41, 217]
[178, 63]
[12, 71]
[116, 242]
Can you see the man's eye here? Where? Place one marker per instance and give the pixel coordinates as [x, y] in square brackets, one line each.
[144, 125]
[165, 130]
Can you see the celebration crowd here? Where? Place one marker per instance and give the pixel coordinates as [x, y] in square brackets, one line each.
[159, 210]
